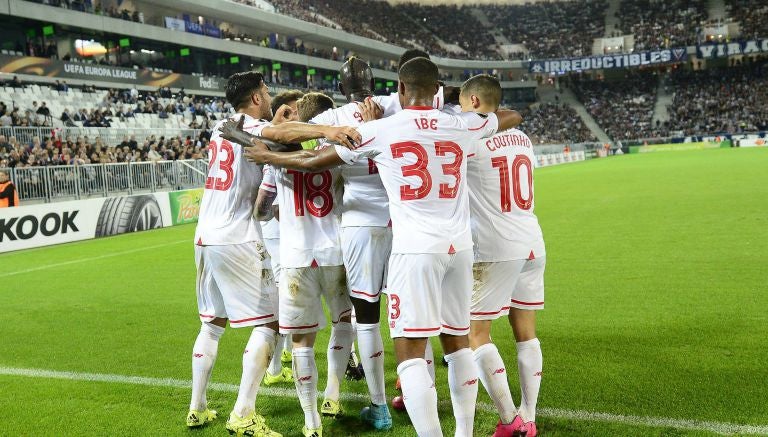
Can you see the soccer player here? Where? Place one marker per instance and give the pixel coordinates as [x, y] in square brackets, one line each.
[233, 279]
[421, 156]
[366, 237]
[509, 260]
[270, 229]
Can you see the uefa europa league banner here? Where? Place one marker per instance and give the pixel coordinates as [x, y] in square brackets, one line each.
[105, 73]
[603, 62]
[46, 224]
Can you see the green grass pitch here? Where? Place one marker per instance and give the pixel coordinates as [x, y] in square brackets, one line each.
[657, 303]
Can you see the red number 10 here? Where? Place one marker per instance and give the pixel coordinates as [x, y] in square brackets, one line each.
[501, 163]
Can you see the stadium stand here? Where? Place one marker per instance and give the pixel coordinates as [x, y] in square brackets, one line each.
[752, 15]
[548, 123]
[669, 23]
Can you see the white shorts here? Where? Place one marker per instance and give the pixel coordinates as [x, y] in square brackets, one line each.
[273, 248]
[501, 285]
[234, 282]
[301, 310]
[366, 254]
[429, 294]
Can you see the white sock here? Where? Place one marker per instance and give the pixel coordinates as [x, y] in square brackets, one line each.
[258, 351]
[372, 357]
[305, 378]
[338, 355]
[288, 343]
[275, 365]
[203, 358]
[462, 380]
[420, 397]
[429, 356]
[493, 374]
[529, 365]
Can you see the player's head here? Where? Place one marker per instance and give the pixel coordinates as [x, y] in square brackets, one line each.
[313, 104]
[481, 93]
[248, 93]
[287, 98]
[356, 79]
[411, 54]
[418, 80]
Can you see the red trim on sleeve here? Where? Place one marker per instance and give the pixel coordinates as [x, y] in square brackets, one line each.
[365, 143]
[480, 127]
[268, 185]
[364, 293]
[470, 155]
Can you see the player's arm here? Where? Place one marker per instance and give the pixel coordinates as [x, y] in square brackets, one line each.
[290, 132]
[508, 118]
[263, 208]
[312, 160]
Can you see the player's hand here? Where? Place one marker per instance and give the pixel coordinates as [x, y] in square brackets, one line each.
[255, 153]
[370, 110]
[232, 130]
[284, 113]
[344, 135]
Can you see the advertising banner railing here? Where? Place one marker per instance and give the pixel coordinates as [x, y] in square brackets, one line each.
[585, 63]
[751, 47]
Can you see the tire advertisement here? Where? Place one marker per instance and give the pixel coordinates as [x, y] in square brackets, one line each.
[46, 224]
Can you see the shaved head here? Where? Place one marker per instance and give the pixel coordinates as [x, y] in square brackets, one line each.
[411, 54]
[420, 74]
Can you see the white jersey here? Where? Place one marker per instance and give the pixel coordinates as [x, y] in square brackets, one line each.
[269, 229]
[226, 211]
[365, 201]
[391, 104]
[309, 222]
[504, 226]
[420, 153]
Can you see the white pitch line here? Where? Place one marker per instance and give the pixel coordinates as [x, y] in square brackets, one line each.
[723, 428]
[93, 258]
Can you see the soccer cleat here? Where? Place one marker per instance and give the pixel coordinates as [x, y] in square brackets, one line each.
[285, 375]
[315, 432]
[354, 368]
[331, 408]
[509, 429]
[200, 418]
[377, 416]
[527, 429]
[398, 403]
[252, 425]
[286, 356]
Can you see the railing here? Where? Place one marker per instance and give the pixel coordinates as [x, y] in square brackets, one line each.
[109, 135]
[69, 182]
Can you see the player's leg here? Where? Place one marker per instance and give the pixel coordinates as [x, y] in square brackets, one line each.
[492, 291]
[527, 298]
[454, 337]
[366, 253]
[276, 372]
[249, 294]
[213, 321]
[414, 296]
[334, 286]
[301, 316]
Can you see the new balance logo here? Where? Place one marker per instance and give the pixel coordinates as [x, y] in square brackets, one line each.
[305, 378]
[337, 348]
[197, 355]
[429, 362]
[377, 354]
[470, 382]
[538, 374]
[498, 371]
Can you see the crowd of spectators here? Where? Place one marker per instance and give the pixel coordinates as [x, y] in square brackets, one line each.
[752, 15]
[551, 29]
[720, 100]
[663, 23]
[55, 150]
[623, 108]
[554, 123]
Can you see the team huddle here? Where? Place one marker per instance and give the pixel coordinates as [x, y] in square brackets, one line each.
[424, 195]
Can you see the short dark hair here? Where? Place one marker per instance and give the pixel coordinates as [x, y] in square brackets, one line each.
[241, 86]
[313, 104]
[420, 73]
[484, 86]
[285, 97]
[356, 77]
[410, 54]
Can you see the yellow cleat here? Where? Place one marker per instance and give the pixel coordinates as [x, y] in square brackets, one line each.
[317, 432]
[285, 375]
[252, 425]
[331, 408]
[286, 356]
[199, 418]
